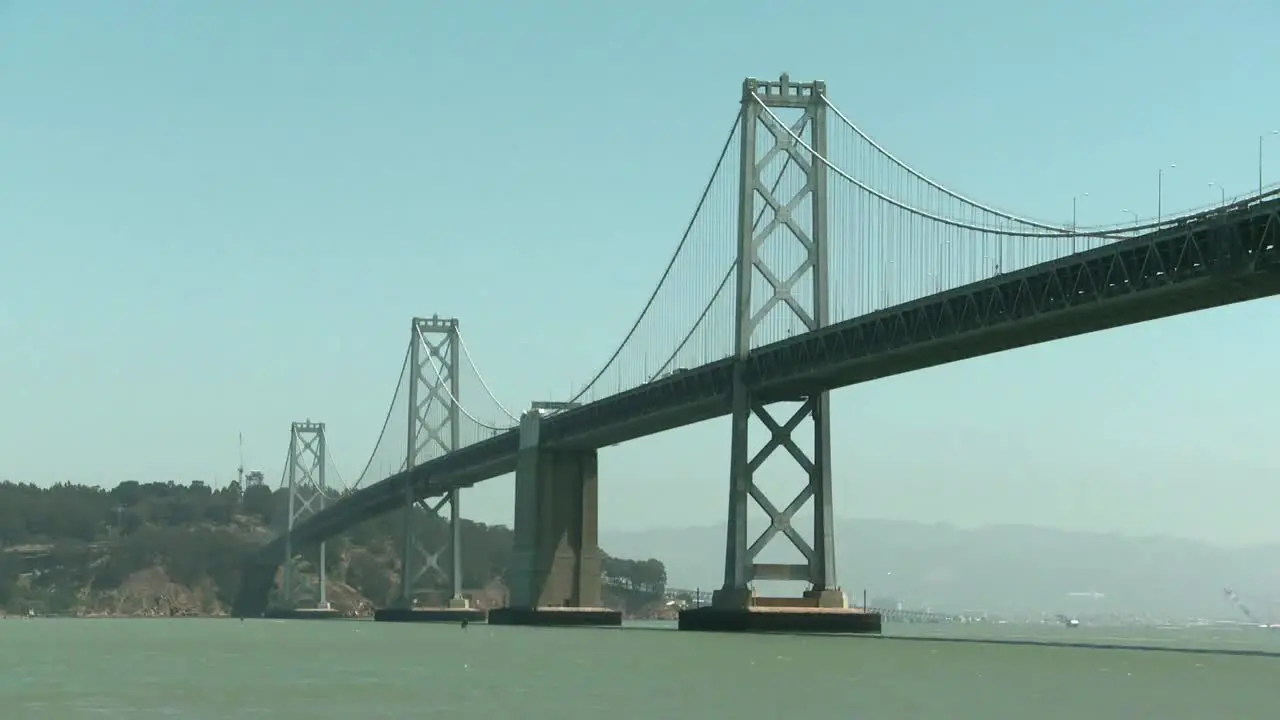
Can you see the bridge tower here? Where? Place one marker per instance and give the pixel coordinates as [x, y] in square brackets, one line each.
[307, 493]
[799, 212]
[434, 383]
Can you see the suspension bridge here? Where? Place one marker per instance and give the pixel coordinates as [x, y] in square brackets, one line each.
[814, 260]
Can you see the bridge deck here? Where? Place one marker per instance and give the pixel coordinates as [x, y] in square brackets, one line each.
[1206, 260]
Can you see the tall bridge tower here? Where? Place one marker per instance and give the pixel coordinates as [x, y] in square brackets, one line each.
[796, 210]
[307, 493]
[434, 413]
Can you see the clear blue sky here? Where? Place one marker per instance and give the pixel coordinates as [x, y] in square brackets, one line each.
[219, 217]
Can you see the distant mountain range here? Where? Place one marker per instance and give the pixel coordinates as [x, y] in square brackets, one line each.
[1005, 569]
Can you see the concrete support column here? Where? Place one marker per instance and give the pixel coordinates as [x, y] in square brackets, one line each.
[556, 563]
[556, 560]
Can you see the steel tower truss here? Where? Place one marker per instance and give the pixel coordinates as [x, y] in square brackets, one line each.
[307, 495]
[762, 214]
[434, 380]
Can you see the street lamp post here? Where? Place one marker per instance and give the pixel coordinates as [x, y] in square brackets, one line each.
[1134, 214]
[1160, 192]
[1074, 225]
[1221, 190]
[1262, 137]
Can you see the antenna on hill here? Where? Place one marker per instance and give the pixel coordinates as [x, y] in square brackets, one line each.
[240, 467]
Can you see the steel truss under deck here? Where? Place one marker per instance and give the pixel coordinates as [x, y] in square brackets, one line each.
[1212, 260]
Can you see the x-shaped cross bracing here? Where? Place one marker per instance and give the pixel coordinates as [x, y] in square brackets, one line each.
[304, 465]
[428, 561]
[796, 208]
[783, 214]
[306, 497]
[434, 374]
[780, 520]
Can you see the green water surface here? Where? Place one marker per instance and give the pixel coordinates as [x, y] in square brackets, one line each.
[358, 669]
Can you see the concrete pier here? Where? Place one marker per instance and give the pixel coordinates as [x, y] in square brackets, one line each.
[821, 611]
[455, 610]
[302, 614]
[780, 620]
[429, 614]
[556, 560]
[556, 617]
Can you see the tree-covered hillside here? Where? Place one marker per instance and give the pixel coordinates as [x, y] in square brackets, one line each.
[170, 549]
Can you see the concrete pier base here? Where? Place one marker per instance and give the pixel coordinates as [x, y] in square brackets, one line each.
[302, 614]
[429, 615]
[817, 611]
[556, 617]
[457, 610]
[763, 619]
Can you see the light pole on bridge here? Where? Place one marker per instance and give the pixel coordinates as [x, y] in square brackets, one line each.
[1074, 224]
[1134, 214]
[1262, 137]
[1221, 190]
[1160, 192]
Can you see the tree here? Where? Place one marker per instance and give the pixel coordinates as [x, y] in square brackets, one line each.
[61, 545]
[259, 501]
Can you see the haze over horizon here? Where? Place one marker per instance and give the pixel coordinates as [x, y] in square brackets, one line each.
[221, 220]
[720, 527]
[1017, 570]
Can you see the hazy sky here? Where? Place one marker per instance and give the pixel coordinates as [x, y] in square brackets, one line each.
[219, 217]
